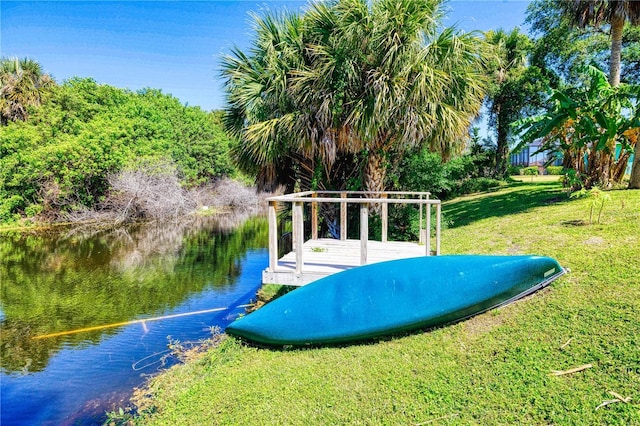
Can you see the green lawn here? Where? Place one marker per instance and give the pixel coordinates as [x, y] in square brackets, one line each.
[537, 178]
[492, 369]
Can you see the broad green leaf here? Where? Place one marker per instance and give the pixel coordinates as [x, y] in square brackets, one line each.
[555, 123]
[602, 120]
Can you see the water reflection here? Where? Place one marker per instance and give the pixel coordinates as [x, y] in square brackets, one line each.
[76, 278]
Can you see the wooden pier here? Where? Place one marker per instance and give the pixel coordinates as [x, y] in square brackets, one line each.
[319, 257]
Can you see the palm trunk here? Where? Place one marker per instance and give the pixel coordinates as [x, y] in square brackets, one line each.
[375, 172]
[619, 167]
[634, 182]
[374, 176]
[617, 25]
[502, 146]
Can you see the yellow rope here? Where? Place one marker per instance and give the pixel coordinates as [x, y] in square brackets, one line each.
[118, 324]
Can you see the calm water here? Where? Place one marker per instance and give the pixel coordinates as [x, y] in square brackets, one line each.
[72, 279]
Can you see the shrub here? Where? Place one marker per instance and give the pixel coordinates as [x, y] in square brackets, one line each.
[555, 170]
[425, 171]
[513, 170]
[469, 186]
[150, 189]
[8, 207]
[422, 171]
[530, 171]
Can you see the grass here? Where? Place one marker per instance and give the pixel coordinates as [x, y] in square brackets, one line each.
[537, 178]
[493, 369]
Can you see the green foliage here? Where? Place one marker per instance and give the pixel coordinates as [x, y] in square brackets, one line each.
[563, 49]
[513, 170]
[350, 80]
[8, 206]
[425, 171]
[86, 131]
[23, 85]
[517, 88]
[530, 171]
[585, 125]
[555, 170]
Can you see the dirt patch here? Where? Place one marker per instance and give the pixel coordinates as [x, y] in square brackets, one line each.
[483, 323]
[576, 222]
[595, 241]
[514, 249]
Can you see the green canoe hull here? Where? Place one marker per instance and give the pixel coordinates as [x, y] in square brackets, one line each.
[389, 297]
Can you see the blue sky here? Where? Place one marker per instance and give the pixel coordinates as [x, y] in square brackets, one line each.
[170, 45]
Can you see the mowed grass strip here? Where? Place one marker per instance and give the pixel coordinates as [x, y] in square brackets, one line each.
[494, 369]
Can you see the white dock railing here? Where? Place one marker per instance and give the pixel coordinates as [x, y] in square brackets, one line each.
[344, 198]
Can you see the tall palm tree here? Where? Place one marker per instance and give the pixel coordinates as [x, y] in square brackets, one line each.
[514, 87]
[401, 84]
[22, 84]
[614, 13]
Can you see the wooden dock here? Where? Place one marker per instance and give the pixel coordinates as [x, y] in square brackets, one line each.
[320, 257]
[327, 256]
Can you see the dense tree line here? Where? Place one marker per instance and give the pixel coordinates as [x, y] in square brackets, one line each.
[336, 98]
[60, 154]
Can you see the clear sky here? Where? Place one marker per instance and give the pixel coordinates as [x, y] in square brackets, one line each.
[174, 46]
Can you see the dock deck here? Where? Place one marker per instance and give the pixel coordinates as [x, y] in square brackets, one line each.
[327, 256]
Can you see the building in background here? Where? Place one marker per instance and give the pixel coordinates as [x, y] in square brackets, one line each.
[530, 156]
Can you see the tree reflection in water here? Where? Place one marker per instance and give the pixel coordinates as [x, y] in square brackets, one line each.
[81, 277]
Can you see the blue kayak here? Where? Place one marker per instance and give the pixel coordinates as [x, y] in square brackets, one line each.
[389, 297]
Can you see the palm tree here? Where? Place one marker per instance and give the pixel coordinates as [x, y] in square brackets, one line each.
[351, 77]
[400, 84]
[516, 87]
[257, 97]
[22, 84]
[615, 13]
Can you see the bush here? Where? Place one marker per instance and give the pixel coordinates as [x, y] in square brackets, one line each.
[151, 189]
[513, 170]
[530, 171]
[469, 186]
[425, 171]
[8, 207]
[555, 170]
[422, 171]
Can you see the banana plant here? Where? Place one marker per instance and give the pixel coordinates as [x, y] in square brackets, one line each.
[586, 126]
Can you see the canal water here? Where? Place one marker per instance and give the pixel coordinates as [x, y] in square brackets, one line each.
[55, 283]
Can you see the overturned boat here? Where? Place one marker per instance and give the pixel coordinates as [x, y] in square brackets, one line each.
[390, 297]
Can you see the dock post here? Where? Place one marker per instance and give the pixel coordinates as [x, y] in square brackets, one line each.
[420, 237]
[314, 218]
[298, 233]
[343, 218]
[364, 232]
[273, 236]
[438, 208]
[427, 239]
[385, 219]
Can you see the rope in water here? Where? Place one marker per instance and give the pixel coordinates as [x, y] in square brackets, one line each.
[138, 321]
